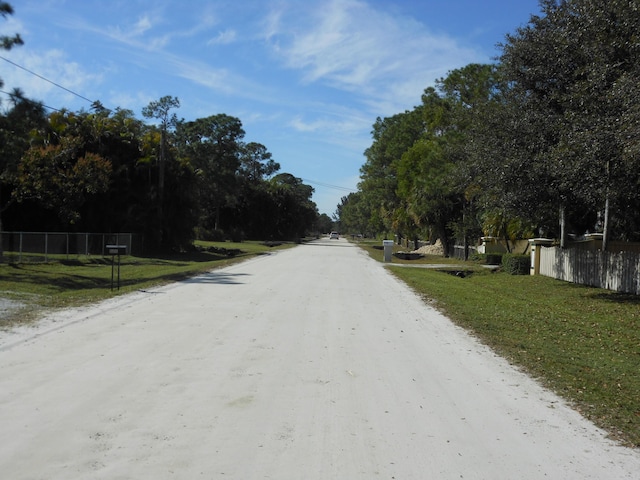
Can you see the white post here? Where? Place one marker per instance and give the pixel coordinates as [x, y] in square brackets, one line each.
[536, 245]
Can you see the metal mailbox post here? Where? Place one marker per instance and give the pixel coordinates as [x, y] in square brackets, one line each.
[114, 250]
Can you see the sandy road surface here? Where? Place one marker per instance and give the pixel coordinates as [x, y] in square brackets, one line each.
[311, 363]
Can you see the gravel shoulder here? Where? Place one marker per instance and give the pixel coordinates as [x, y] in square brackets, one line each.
[313, 362]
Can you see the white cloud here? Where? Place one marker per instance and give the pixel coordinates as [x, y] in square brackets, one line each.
[56, 68]
[10, 26]
[219, 79]
[141, 26]
[339, 124]
[338, 47]
[153, 31]
[345, 129]
[351, 46]
[131, 32]
[301, 126]
[224, 38]
[272, 24]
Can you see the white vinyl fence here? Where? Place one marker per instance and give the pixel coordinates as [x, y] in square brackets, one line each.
[614, 271]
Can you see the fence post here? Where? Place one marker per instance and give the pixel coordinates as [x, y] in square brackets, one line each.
[536, 245]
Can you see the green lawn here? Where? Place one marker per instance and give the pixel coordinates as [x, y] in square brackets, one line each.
[583, 343]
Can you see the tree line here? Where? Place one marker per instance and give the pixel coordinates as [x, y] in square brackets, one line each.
[170, 180]
[543, 142]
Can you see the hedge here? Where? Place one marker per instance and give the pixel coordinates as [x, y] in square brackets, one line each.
[516, 264]
[494, 258]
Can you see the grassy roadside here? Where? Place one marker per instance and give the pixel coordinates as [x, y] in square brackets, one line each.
[581, 342]
[68, 282]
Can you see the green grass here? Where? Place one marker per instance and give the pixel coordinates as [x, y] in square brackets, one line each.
[581, 342]
[67, 282]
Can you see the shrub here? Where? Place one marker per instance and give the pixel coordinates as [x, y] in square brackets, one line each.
[494, 258]
[236, 235]
[210, 235]
[477, 257]
[516, 264]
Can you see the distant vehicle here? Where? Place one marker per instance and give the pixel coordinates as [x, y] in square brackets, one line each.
[333, 235]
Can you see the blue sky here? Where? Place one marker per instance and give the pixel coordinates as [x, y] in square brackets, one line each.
[307, 78]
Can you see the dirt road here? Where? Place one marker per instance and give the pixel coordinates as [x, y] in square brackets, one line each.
[310, 363]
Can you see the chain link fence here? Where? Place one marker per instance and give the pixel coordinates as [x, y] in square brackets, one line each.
[43, 246]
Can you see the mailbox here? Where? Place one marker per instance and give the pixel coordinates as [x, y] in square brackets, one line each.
[387, 246]
[116, 249]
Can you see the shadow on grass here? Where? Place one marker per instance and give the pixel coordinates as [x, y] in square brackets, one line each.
[56, 282]
[622, 298]
[183, 259]
[90, 262]
[61, 282]
[89, 282]
[601, 294]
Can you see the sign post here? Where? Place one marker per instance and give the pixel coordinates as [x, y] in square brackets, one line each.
[114, 250]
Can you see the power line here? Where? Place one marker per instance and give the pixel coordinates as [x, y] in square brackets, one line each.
[46, 79]
[327, 185]
[11, 95]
